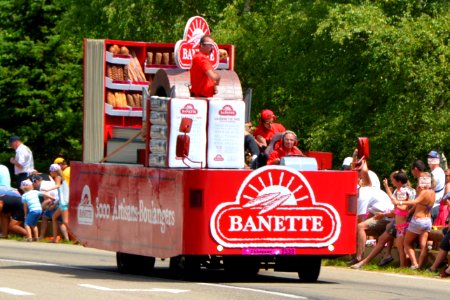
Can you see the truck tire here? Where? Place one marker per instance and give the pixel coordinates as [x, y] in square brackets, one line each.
[134, 264]
[241, 266]
[309, 268]
[185, 267]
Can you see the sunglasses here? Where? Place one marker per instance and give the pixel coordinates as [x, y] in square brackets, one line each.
[208, 44]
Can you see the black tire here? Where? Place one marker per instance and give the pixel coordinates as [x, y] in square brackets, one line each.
[134, 264]
[309, 268]
[241, 266]
[185, 267]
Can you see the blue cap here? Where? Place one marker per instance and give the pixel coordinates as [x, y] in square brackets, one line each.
[14, 138]
[433, 154]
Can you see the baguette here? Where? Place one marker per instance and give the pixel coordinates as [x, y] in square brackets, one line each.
[111, 98]
[130, 100]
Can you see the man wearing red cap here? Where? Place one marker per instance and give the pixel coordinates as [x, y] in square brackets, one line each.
[267, 128]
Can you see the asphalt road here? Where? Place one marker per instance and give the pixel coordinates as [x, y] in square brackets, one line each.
[59, 271]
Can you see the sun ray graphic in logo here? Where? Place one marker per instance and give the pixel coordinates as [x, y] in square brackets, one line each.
[275, 206]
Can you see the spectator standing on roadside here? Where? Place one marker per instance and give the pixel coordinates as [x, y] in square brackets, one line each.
[443, 209]
[64, 167]
[417, 168]
[204, 80]
[5, 178]
[439, 177]
[444, 247]
[371, 200]
[420, 223]
[63, 205]
[23, 161]
[402, 192]
[347, 163]
[49, 206]
[32, 208]
[367, 177]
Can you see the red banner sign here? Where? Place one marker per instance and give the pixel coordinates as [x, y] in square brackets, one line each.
[275, 207]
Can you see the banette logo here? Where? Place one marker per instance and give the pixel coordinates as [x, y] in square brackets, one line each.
[218, 157]
[227, 110]
[189, 109]
[278, 203]
[85, 211]
[196, 27]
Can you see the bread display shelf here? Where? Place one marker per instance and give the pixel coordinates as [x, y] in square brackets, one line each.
[125, 85]
[125, 111]
[120, 59]
[152, 69]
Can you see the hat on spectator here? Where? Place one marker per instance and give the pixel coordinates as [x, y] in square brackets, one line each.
[267, 115]
[14, 138]
[35, 177]
[54, 168]
[433, 154]
[26, 182]
[347, 162]
[59, 160]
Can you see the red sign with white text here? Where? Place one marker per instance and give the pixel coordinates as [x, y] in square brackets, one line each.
[196, 27]
[275, 207]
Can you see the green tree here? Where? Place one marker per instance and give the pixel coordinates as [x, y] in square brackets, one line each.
[40, 94]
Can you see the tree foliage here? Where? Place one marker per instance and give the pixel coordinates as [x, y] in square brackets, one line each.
[331, 70]
[40, 80]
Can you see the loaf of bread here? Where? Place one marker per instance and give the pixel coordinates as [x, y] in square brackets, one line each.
[110, 98]
[149, 58]
[130, 100]
[124, 50]
[114, 49]
[158, 58]
[165, 58]
[109, 72]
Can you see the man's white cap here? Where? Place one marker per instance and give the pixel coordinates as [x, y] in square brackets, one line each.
[347, 162]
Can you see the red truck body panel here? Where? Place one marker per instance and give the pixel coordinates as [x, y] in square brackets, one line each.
[163, 212]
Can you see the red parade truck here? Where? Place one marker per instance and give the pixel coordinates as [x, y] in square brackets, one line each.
[163, 173]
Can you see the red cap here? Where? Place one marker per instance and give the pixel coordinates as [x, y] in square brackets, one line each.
[267, 115]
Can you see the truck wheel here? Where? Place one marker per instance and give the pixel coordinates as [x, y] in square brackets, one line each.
[134, 264]
[309, 268]
[241, 266]
[185, 267]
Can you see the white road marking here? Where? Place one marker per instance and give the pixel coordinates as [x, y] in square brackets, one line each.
[254, 290]
[14, 292]
[42, 264]
[158, 290]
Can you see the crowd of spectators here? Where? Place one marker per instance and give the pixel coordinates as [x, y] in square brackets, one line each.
[38, 196]
[403, 214]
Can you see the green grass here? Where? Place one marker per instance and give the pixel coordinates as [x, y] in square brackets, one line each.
[21, 238]
[339, 262]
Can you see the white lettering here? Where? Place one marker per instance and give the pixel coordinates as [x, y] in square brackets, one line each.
[317, 224]
[123, 211]
[276, 223]
[102, 210]
[235, 223]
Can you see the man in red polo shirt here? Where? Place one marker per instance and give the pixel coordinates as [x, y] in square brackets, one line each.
[203, 77]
